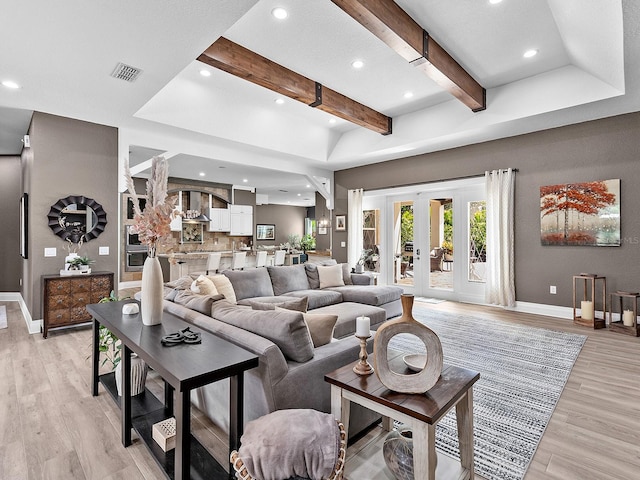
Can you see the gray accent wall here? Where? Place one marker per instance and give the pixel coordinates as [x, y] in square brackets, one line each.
[67, 157]
[597, 150]
[10, 193]
[287, 219]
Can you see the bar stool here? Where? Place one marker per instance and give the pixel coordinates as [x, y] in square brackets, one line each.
[213, 264]
[261, 259]
[279, 257]
[238, 260]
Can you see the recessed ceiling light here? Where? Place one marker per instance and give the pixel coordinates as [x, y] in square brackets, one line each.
[279, 13]
[408, 94]
[357, 64]
[308, 186]
[10, 84]
[494, 2]
[245, 180]
[205, 73]
[279, 101]
[332, 120]
[299, 194]
[530, 53]
[202, 174]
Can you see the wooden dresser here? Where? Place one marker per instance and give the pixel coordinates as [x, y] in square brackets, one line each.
[64, 298]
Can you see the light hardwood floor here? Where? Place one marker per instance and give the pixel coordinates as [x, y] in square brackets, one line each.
[52, 428]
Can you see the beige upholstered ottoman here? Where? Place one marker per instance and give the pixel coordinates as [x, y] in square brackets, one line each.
[292, 444]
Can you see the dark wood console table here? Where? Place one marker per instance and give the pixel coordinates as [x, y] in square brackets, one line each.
[183, 368]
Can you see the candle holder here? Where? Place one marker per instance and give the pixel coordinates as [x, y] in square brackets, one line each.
[592, 311]
[363, 367]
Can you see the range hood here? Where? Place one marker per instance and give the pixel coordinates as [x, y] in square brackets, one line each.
[195, 205]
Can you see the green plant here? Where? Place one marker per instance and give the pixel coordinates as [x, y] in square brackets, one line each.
[108, 343]
[307, 243]
[77, 261]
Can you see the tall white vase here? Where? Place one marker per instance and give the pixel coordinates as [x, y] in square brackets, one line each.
[151, 292]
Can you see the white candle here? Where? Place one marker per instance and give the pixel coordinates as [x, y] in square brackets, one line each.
[363, 327]
[627, 318]
[586, 310]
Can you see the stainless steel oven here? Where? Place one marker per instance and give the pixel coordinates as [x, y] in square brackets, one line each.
[135, 260]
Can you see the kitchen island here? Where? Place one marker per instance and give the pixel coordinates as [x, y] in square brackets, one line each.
[176, 265]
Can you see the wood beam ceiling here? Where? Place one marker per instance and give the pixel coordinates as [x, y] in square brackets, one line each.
[241, 62]
[387, 21]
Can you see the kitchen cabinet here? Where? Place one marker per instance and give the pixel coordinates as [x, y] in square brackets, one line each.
[220, 220]
[241, 220]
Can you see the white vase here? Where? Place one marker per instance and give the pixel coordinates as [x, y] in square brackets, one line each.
[151, 292]
[139, 371]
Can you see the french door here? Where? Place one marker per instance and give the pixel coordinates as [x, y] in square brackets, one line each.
[435, 242]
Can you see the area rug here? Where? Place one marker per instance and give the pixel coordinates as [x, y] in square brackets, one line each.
[523, 371]
[3, 316]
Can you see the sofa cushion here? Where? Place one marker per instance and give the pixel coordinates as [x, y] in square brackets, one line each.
[330, 276]
[299, 304]
[196, 302]
[269, 299]
[312, 275]
[369, 294]
[318, 298]
[182, 283]
[286, 328]
[254, 282]
[285, 279]
[204, 286]
[224, 287]
[347, 313]
[346, 274]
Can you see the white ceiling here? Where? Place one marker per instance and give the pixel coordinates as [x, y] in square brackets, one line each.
[62, 55]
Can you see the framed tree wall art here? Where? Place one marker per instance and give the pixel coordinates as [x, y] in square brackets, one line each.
[585, 213]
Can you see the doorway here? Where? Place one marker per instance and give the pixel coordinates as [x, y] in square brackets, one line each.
[434, 241]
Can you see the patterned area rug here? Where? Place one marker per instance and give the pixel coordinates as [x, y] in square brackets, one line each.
[523, 371]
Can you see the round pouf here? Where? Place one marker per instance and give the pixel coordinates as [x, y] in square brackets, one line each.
[291, 444]
[398, 453]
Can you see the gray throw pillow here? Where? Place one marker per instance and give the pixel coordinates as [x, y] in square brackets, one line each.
[182, 283]
[346, 274]
[287, 279]
[254, 282]
[198, 303]
[298, 305]
[312, 275]
[286, 328]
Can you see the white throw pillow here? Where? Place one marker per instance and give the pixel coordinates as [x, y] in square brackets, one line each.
[224, 287]
[203, 286]
[330, 276]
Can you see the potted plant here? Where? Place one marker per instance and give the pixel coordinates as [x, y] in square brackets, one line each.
[80, 263]
[363, 258]
[111, 347]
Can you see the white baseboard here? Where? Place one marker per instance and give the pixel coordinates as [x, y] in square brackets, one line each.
[33, 326]
[543, 309]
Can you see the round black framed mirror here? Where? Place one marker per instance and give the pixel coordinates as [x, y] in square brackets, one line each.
[77, 218]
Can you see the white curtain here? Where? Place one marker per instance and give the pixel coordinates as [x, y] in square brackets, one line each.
[500, 286]
[354, 234]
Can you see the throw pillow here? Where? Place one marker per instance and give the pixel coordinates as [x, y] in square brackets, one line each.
[285, 328]
[198, 303]
[298, 305]
[330, 276]
[321, 327]
[182, 283]
[312, 275]
[224, 287]
[346, 274]
[287, 279]
[203, 286]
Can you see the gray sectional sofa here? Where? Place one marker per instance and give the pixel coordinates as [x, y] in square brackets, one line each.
[291, 369]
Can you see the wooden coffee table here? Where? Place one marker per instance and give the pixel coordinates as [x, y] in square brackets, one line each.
[420, 412]
[183, 368]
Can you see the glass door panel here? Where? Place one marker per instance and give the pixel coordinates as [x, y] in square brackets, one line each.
[440, 243]
[477, 241]
[403, 244]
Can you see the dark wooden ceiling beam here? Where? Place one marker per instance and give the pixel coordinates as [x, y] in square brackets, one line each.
[241, 62]
[387, 21]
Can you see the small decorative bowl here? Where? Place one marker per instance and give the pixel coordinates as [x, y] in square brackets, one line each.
[415, 361]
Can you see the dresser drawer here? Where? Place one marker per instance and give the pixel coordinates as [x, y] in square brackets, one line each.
[58, 317]
[80, 299]
[59, 286]
[80, 284]
[56, 302]
[79, 315]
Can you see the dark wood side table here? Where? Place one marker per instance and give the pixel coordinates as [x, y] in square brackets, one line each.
[183, 368]
[420, 412]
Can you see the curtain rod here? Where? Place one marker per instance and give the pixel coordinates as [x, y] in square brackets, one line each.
[451, 179]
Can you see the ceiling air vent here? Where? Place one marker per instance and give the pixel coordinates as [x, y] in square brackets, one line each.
[126, 72]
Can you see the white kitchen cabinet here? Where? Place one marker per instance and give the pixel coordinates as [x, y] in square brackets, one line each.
[241, 220]
[220, 220]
